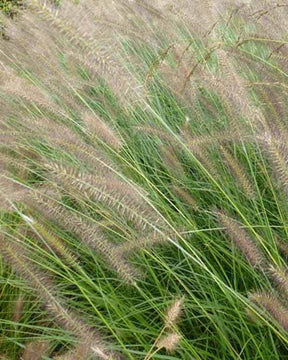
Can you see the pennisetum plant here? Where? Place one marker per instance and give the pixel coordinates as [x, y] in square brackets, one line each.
[118, 122]
[15, 254]
[168, 337]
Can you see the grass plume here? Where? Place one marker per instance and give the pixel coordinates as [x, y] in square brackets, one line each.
[124, 124]
[273, 306]
[242, 240]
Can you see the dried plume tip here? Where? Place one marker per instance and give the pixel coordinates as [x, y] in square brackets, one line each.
[18, 309]
[36, 350]
[239, 172]
[21, 88]
[203, 155]
[10, 191]
[185, 196]
[232, 87]
[145, 242]
[273, 306]
[170, 159]
[101, 129]
[220, 137]
[242, 240]
[169, 342]
[171, 338]
[173, 313]
[279, 277]
[80, 352]
[275, 146]
[55, 243]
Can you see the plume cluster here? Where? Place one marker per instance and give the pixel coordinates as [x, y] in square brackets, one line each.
[168, 337]
[15, 254]
[242, 240]
[115, 113]
[274, 303]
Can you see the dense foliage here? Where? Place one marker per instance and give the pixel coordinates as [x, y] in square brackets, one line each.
[144, 180]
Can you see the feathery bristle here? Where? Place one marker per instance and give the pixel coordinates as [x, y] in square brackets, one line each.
[242, 240]
[254, 318]
[10, 191]
[220, 137]
[280, 278]
[16, 86]
[169, 342]
[275, 145]
[63, 137]
[232, 87]
[173, 313]
[18, 309]
[102, 61]
[170, 159]
[36, 350]
[185, 196]
[55, 243]
[108, 181]
[273, 306]
[80, 352]
[239, 173]
[77, 80]
[146, 242]
[91, 234]
[160, 133]
[101, 129]
[201, 152]
[140, 213]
